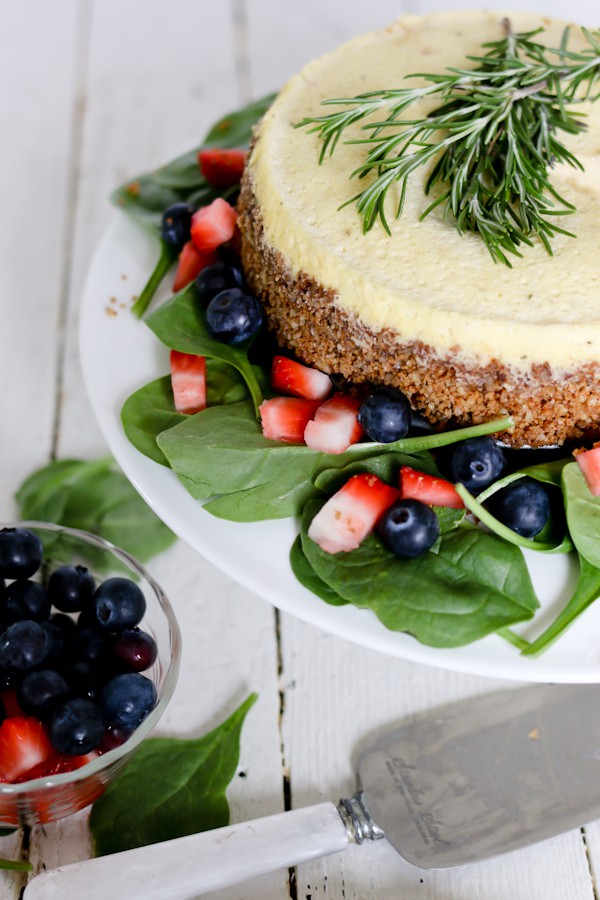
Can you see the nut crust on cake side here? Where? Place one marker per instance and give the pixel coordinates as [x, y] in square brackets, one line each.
[547, 408]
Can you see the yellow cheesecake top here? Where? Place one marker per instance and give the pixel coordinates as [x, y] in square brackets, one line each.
[427, 282]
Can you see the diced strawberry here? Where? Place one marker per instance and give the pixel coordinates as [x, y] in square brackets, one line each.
[351, 514]
[335, 425]
[428, 489]
[191, 262]
[285, 418]
[222, 168]
[289, 377]
[56, 765]
[188, 380]
[589, 463]
[213, 225]
[23, 745]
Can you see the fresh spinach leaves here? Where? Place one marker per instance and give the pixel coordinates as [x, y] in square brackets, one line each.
[94, 496]
[151, 410]
[471, 586]
[188, 780]
[147, 196]
[179, 323]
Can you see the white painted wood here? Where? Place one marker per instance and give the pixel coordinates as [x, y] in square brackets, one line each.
[92, 92]
[34, 170]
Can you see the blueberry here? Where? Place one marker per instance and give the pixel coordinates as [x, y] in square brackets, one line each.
[39, 693]
[85, 679]
[89, 644]
[127, 700]
[135, 650]
[216, 278]
[76, 727]
[409, 528]
[70, 588]
[23, 646]
[176, 224]
[419, 425]
[21, 553]
[523, 506]
[476, 463]
[385, 415]
[233, 317]
[24, 600]
[117, 604]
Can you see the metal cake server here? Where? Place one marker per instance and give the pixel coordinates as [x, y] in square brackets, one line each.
[475, 779]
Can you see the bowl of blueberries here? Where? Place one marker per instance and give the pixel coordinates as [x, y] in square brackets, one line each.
[89, 658]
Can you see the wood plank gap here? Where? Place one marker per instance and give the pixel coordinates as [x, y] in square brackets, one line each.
[287, 783]
[83, 32]
[241, 54]
[589, 862]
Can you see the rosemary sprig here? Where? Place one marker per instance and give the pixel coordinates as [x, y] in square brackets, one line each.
[491, 142]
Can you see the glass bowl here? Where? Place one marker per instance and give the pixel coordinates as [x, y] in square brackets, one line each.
[47, 799]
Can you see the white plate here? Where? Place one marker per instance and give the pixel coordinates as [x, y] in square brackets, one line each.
[120, 354]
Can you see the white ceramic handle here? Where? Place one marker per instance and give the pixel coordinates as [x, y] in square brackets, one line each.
[199, 863]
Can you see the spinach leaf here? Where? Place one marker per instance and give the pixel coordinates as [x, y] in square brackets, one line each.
[472, 586]
[586, 592]
[147, 196]
[171, 788]
[307, 577]
[146, 413]
[583, 513]
[179, 323]
[385, 465]
[222, 451]
[151, 410]
[94, 496]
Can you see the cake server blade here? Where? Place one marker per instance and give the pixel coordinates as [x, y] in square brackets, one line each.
[455, 786]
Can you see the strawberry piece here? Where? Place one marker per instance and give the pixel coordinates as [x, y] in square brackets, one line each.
[285, 418]
[23, 745]
[213, 225]
[222, 168]
[589, 463]
[428, 489]
[191, 262]
[188, 380]
[351, 514]
[56, 765]
[289, 377]
[335, 426]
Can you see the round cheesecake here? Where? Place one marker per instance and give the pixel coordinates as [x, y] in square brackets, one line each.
[425, 309]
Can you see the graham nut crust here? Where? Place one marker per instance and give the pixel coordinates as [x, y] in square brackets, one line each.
[547, 408]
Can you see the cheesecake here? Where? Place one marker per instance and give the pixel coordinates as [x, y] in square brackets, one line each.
[425, 309]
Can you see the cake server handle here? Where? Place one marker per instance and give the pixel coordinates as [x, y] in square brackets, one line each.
[199, 863]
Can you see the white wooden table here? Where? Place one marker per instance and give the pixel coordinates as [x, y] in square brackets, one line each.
[91, 92]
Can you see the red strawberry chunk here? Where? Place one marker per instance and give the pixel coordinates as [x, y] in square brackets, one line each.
[351, 514]
[589, 463]
[335, 426]
[191, 262]
[222, 168]
[213, 225]
[23, 745]
[57, 765]
[188, 380]
[428, 489]
[289, 377]
[285, 418]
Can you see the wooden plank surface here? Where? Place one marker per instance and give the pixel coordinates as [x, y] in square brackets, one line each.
[93, 92]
